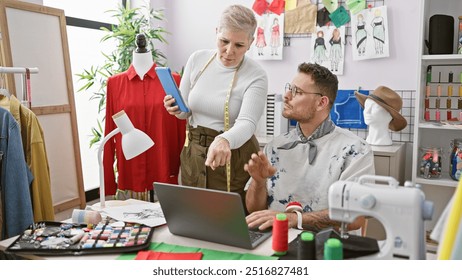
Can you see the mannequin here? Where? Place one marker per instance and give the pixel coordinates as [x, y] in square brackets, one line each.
[377, 119]
[142, 57]
[381, 114]
[139, 93]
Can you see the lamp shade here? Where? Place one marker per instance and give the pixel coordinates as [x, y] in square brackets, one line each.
[134, 142]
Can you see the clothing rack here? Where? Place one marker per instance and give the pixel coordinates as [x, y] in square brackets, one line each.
[26, 100]
[19, 192]
[19, 70]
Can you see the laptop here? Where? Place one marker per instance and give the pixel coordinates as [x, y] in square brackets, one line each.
[205, 214]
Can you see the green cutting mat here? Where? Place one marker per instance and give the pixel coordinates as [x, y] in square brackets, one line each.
[206, 253]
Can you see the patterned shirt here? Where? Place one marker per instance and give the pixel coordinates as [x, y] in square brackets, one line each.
[341, 155]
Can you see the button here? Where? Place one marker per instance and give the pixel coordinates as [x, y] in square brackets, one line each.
[398, 242]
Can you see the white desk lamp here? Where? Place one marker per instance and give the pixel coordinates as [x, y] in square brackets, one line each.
[134, 142]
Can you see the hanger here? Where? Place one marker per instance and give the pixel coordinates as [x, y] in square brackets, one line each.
[3, 90]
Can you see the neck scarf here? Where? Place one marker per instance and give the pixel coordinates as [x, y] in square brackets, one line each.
[326, 127]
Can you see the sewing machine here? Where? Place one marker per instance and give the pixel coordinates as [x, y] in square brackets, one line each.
[401, 210]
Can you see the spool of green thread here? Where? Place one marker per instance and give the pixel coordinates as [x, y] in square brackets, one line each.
[281, 216]
[307, 236]
[333, 249]
[429, 74]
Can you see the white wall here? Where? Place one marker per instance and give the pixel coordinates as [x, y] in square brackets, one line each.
[192, 26]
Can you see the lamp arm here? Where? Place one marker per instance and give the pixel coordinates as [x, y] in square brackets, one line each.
[101, 168]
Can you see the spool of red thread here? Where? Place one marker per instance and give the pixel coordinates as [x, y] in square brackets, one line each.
[280, 234]
[427, 114]
[437, 115]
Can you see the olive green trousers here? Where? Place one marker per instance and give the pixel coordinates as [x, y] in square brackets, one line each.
[195, 173]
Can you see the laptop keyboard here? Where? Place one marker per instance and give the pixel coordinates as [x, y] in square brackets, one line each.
[254, 235]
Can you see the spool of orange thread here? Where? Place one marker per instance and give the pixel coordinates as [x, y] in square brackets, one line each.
[280, 234]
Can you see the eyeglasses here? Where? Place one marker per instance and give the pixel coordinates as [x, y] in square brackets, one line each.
[295, 90]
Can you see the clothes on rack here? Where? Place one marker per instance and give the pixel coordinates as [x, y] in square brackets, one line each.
[35, 154]
[17, 214]
[142, 100]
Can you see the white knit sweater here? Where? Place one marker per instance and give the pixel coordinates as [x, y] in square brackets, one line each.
[207, 98]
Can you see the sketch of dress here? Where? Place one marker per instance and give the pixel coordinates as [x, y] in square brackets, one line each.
[261, 42]
[361, 35]
[335, 54]
[378, 32]
[319, 55]
[275, 34]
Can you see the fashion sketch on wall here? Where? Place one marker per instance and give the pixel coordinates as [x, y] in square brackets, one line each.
[369, 29]
[269, 37]
[328, 48]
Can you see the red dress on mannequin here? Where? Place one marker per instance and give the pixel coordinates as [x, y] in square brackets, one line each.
[142, 100]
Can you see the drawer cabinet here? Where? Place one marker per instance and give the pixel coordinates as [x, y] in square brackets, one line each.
[390, 160]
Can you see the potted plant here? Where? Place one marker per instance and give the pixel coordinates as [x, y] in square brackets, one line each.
[131, 21]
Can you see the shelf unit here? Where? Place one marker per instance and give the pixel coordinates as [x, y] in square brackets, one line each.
[432, 133]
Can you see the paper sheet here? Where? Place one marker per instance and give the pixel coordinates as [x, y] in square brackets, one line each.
[290, 5]
[340, 17]
[331, 5]
[269, 37]
[149, 214]
[369, 29]
[329, 48]
[356, 5]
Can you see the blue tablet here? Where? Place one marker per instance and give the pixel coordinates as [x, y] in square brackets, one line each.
[170, 87]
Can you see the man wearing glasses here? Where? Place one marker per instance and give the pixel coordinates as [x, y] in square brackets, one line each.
[298, 167]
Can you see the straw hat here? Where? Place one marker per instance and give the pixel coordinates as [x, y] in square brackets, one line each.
[389, 100]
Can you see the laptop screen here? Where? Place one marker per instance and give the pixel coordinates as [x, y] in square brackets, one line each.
[210, 215]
